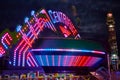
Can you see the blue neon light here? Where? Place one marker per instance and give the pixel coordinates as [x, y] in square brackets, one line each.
[26, 19]
[10, 62]
[5, 45]
[50, 13]
[18, 28]
[44, 60]
[32, 12]
[86, 51]
[56, 60]
[50, 60]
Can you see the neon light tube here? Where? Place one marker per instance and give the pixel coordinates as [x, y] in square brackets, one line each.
[70, 50]
[23, 60]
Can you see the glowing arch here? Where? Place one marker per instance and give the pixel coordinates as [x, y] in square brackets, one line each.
[32, 28]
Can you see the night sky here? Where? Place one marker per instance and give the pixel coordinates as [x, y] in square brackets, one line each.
[92, 14]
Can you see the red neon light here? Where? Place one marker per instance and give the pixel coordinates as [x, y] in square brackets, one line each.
[32, 58]
[27, 40]
[78, 59]
[87, 61]
[49, 20]
[44, 12]
[71, 60]
[62, 18]
[93, 60]
[7, 41]
[15, 52]
[28, 58]
[30, 37]
[85, 58]
[73, 30]
[82, 61]
[2, 51]
[31, 62]
[98, 52]
[41, 24]
[23, 58]
[33, 31]
[65, 31]
[20, 54]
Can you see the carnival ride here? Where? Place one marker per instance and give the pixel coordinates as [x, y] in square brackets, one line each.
[33, 46]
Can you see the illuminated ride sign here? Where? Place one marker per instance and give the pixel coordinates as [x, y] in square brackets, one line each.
[6, 42]
[30, 31]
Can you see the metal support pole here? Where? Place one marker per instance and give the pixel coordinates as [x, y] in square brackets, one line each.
[108, 60]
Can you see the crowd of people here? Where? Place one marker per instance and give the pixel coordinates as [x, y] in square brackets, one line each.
[42, 76]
